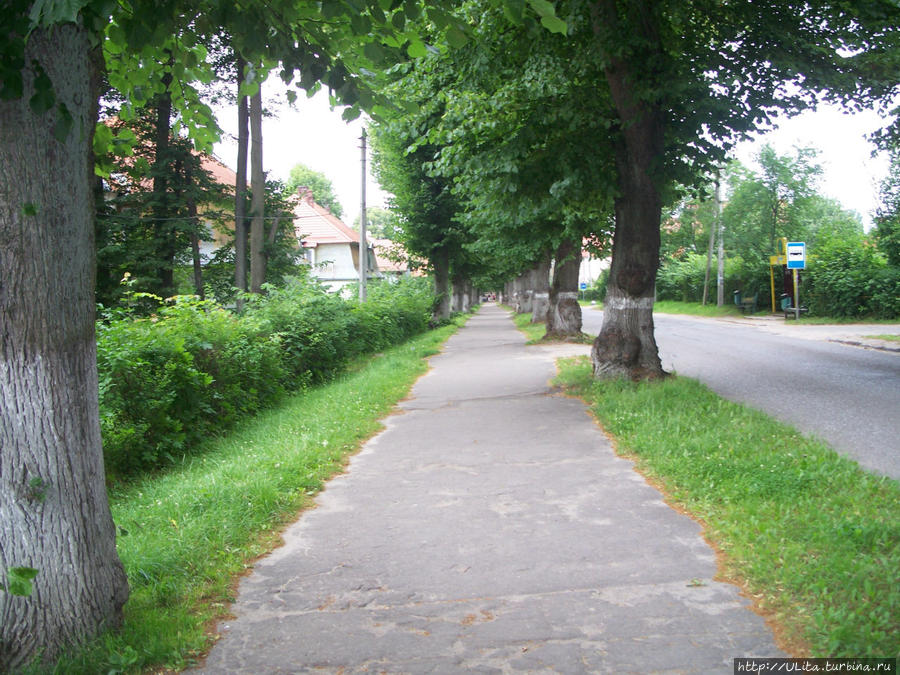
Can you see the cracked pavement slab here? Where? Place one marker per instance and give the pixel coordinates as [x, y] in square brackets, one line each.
[490, 528]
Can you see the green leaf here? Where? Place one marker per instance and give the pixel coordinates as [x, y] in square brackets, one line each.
[412, 10]
[350, 113]
[555, 25]
[103, 139]
[248, 87]
[416, 49]
[19, 580]
[63, 123]
[48, 12]
[43, 98]
[456, 37]
[29, 209]
[543, 7]
[374, 52]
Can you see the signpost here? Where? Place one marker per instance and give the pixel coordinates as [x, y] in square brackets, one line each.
[796, 261]
[583, 287]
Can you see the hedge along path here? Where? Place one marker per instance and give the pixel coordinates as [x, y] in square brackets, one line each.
[187, 535]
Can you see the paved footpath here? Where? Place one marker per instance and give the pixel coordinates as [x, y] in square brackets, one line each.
[489, 529]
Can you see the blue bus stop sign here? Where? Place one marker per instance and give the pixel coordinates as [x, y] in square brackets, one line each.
[796, 255]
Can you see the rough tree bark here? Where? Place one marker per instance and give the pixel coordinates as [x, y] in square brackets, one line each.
[564, 312]
[460, 300]
[626, 346]
[54, 513]
[441, 286]
[240, 187]
[540, 304]
[526, 292]
[257, 197]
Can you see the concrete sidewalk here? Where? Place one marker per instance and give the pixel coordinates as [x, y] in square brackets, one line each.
[489, 529]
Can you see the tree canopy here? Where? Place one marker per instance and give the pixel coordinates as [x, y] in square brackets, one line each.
[320, 185]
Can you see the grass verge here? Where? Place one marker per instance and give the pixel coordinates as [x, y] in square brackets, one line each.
[814, 539]
[889, 337]
[186, 536]
[536, 332]
[695, 308]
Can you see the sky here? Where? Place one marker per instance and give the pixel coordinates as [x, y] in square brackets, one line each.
[312, 134]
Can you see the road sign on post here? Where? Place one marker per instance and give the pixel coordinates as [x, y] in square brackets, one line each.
[796, 255]
[796, 260]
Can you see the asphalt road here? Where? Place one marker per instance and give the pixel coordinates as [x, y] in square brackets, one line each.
[845, 395]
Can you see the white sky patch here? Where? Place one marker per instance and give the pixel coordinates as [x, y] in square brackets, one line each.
[308, 133]
[850, 174]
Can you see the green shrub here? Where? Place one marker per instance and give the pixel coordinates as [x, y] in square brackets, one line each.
[850, 278]
[169, 380]
[681, 278]
[152, 396]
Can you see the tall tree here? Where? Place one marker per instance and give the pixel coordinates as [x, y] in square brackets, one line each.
[240, 184]
[321, 186]
[257, 196]
[887, 217]
[687, 79]
[53, 504]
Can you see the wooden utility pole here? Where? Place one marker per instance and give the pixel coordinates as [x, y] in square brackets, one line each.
[720, 282]
[363, 247]
[709, 252]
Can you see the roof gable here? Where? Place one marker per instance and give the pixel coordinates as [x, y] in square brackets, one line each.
[314, 224]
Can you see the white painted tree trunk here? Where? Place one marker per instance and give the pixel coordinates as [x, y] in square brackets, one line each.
[564, 312]
[540, 304]
[54, 513]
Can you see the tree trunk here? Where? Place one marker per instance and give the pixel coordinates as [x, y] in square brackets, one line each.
[257, 197]
[458, 301]
[626, 346]
[441, 286]
[720, 262]
[240, 188]
[541, 284]
[54, 513]
[526, 293]
[564, 312]
[162, 204]
[195, 232]
[709, 252]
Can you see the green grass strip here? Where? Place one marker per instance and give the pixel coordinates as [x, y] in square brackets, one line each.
[815, 539]
[186, 536]
[695, 308]
[533, 331]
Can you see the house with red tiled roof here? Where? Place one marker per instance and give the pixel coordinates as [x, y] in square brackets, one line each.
[393, 260]
[331, 248]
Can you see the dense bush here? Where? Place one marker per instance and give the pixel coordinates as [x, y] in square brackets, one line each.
[681, 278]
[849, 278]
[171, 379]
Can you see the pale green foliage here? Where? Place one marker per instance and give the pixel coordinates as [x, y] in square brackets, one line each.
[887, 219]
[18, 581]
[380, 223]
[321, 186]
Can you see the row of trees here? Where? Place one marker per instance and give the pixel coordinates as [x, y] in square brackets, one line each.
[56, 60]
[521, 143]
[849, 274]
[509, 132]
